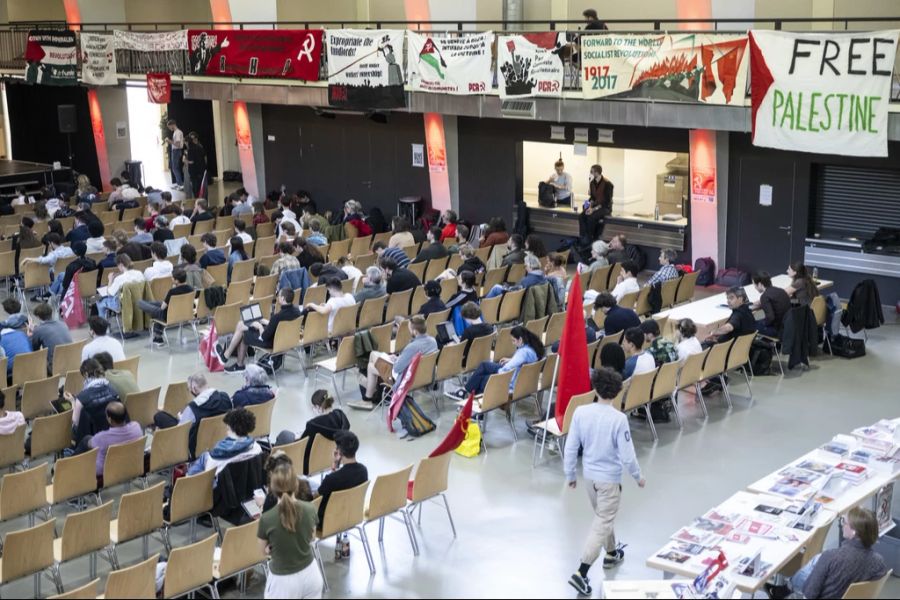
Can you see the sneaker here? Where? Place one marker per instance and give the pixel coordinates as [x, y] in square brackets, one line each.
[158, 341]
[581, 584]
[235, 368]
[777, 592]
[220, 352]
[362, 405]
[615, 558]
[460, 394]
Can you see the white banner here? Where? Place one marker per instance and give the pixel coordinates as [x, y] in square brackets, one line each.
[365, 68]
[162, 41]
[825, 93]
[448, 63]
[530, 64]
[98, 59]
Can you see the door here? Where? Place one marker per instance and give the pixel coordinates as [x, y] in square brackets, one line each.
[766, 232]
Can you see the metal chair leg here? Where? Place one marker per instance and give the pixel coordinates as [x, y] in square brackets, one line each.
[651, 423]
[747, 377]
[674, 399]
[410, 532]
[318, 557]
[725, 390]
[366, 548]
[449, 515]
[701, 400]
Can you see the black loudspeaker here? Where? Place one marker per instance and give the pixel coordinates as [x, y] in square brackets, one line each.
[67, 118]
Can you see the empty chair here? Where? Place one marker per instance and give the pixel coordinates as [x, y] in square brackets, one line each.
[496, 394]
[642, 302]
[554, 328]
[142, 406]
[691, 375]
[511, 307]
[23, 493]
[51, 435]
[345, 511]
[240, 552]
[36, 396]
[177, 397]
[30, 366]
[28, 552]
[686, 287]
[136, 581]
[67, 357]
[192, 497]
[190, 568]
[169, 447]
[490, 309]
[73, 477]
[449, 362]
[430, 482]
[321, 455]
[131, 363]
[664, 387]
[538, 326]
[90, 590]
[344, 360]
[628, 300]
[84, 533]
[265, 286]
[739, 358]
[389, 497]
[372, 312]
[140, 514]
[668, 290]
[398, 305]
[715, 364]
[295, 451]
[242, 270]
[12, 448]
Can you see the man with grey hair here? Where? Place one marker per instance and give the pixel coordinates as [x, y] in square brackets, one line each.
[373, 285]
[534, 275]
[256, 388]
[207, 402]
[667, 270]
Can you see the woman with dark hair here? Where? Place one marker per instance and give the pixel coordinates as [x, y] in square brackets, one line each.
[307, 254]
[238, 444]
[529, 349]
[686, 336]
[495, 234]
[612, 356]
[535, 245]
[89, 406]
[53, 226]
[434, 303]
[802, 289]
[401, 237]
[237, 254]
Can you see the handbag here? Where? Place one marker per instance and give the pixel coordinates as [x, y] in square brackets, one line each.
[471, 445]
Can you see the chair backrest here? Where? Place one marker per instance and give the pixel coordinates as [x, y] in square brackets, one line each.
[496, 391]
[136, 581]
[666, 381]
[87, 288]
[479, 351]
[516, 273]
[692, 370]
[435, 267]
[504, 348]
[364, 261]
[263, 414]
[425, 371]
[169, 447]
[314, 295]
[27, 551]
[142, 406]
[140, 513]
[432, 321]
[528, 380]
[418, 269]
[180, 309]
[240, 550]
[219, 273]
[177, 397]
[360, 245]
[490, 309]
[51, 434]
[382, 336]
[398, 305]
[389, 493]
[628, 300]
[345, 510]
[12, 447]
[227, 316]
[431, 477]
[295, 451]
[67, 357]
[189, 567]
[124, 462]
[209, 432]
[86, 532]
[740, 351]
[74, 476]
[345, 320]
[449, 363]
[574, 403]
[642, 303]
[23, 492]
[90, 590]
[550, 361]
[403, 336]
[511, 307]
[315, 328]
[449, 287]
[30, 366]
[555, 328]
[321, 455]
[131, 363]
[345, 357]
[715, 360]
[36, 275]
[160, 286]
[537, 326]
[238, 292]
[820, 310]
[8, 263]
[686, 287]
[338, 248]
[639, 390]
[600, 279]
[668, 290]
[192, 496]
[265, 285]
[242, 270]
[372, 312]
[867, 589]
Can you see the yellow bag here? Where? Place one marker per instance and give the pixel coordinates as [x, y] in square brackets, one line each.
[471, 445]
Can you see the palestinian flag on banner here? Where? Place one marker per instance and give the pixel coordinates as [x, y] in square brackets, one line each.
[431, 54]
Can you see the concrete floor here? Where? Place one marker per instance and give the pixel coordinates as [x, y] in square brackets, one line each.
[520, 529]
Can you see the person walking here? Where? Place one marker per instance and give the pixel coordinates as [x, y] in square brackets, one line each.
[602, 434]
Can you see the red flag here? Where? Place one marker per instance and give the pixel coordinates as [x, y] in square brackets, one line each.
[457, 433]
[71, 309]
[159, 88]
[201, 193]
[400, 389]
[208, 349]
[574, 376]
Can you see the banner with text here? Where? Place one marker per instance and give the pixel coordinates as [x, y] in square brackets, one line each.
[673, 67]
[98, 59]
[448, 63]
[159, 88]
[161, 51]
[530, 64]
[281, 53]
[51, 57]
[363, 68]
[163, 41]
[826, 93]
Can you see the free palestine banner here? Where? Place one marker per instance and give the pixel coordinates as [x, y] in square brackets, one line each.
[823, 93]
[51, 57]
[449, 64]
[676, 67]
[363, 68]
[530, 64]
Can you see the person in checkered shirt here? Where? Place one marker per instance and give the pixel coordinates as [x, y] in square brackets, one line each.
[667, 270]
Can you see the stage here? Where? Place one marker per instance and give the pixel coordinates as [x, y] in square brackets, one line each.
[32, 176]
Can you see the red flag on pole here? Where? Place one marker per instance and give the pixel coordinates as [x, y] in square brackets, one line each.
[71, 309]
[400, 390]
[208, 349]
[457, 432]
[574, 370]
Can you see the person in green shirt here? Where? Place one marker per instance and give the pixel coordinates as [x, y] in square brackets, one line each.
[285, 533]
[121, 380]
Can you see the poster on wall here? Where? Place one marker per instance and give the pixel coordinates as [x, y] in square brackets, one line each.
[530, 64]
[448, 63]
[703, 184]
[824, 93]
[279, 53]
[364, 68]
[98, 59]
[673, 67]
[51, 57]
[159, 88]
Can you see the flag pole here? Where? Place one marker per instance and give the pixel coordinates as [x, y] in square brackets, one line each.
[549, 404]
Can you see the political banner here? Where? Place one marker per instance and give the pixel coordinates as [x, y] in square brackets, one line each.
[280, 53]
[51, 57]
[162, 41]
[159, 88]
[826, 93]
[530, 64]
[363, 68]
[98, 59]
[673, 67]
[449, 63]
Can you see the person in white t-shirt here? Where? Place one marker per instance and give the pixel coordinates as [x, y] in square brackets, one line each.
[176, 152]
[179, 218]
[240, 230]
[638, 362]
[160, 267]
[353, 274]
[21, 199]
[627, 281]
[688, 343]
[101, 341]
[110, 294]
[337, 299]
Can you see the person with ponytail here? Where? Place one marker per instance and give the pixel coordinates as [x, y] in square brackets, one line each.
[327, 423]
[285, 533]
[529, 349]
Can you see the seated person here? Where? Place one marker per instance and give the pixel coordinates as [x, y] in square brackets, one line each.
[201, 213]
[10, 420]
[741, 321]
[236, 254]
[48, 333]
[621, 251]
[197, 277]
[774, 302]
[803, 287]
[286, 260]
[177, 216]
[557, 276]
[207, 402]
[688, 344]
[81, 263]
[345, 265]
[435, 248]
[599, 250]
[516, 251]
[13, 337]
[89, 406]
[121, 380]
[256, 388]
[80, 231]
[470, 261]
[612, 356]
[111, 294]
[667, 270]
[372, 285]
[831, 573]
[466, 292]
[213, 256]
[159, 310]
[475, 326]
[110, 248]
[639, 361]
[134, 250]
[259, 334]
[237, 445]
[529, 349]
[462, 237]
[421, 343]
[55, 251]
[161, 231]
[120, 430]
[434, 303]
[617, 318]
[627, 282]
[327, 423]
[240, 230]
[397, 255]
[321, 271]
[347, 473]
[94, 243]
[494, 234]
[398, 278]
[401, 237]
[662, 350]
[141, 235]
[315, 234]
[101, 341]
[534, 275]
[337, 299]
[308, 254]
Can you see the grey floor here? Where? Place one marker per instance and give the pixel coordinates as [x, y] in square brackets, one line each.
[520, 529]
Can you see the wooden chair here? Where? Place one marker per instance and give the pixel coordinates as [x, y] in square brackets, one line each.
[28, 552]
[265, 286]
[84, 534]
[73, 477]
[449, 362]
[496, 395]
[686, 287]
[434, 319]
[90, 590]
[190, 568]
[714, 366]
[665, 387]
[51, 434]
[382, 336]
[820, 311]
[295, 451]
[554, 328]
[338, 249]
[629, 300]
[739, 358]
[435, 267]
[504, 348]
[691, 374]
[263, 414]
[192, 497]
[23, 493]
[639, 394]
[388, 497]
[136, 581]
[169, 447]
[219, 273]
[668, 291]
[867, 589]
[239, 292]
[124, 463]
[419, 299]
[364, 261]
[479, 351]
[321, 456]
[538, 326]
[12, 449]
[418, 269]
[35, 277]
[449, 287]
[36, 397]
[551, 427]
[550, 360]
[209, 432]
[398, 305]
[360, 246]
[30, 366]
[316, 294]
[131, 363]
[430, 482]
[240, 553]
[242, 271]
[140, 514]
[180, 312]
[642, 302]
[493, 277]
[67, 357]
[372, 312]
[599, 281]
[345, 321]
[264, 230]
[516, 273]
[177, 397]
[160, 286]
[227, 317]
[511, 307]
[344, 512]
[142, 406]
[490, 309]
[343, 361]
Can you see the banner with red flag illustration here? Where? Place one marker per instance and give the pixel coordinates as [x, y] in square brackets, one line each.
[71, 310]
[400, 390]
[281, 53]
[457, 432]
[159, 88]
[208, 349]
[574, 374]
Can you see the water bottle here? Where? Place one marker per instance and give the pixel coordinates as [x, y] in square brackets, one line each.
[656, 213]
[338, 548]
[345, 547]
[816, 274]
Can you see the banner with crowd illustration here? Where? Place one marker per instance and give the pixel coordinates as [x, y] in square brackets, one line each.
[530, 64]
[365, 68]
[51, 57]
[822, 92]
[142, 52]
[278, 53]
[674, 67]
[447, 63]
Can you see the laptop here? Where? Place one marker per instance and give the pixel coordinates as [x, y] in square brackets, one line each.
[446, 333]
[251, 313]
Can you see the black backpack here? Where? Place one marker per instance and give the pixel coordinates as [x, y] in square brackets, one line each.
[707, 269]
[546, 195]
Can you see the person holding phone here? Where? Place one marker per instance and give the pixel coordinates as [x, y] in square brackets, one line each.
[562, 183]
